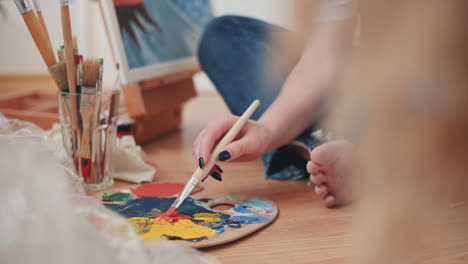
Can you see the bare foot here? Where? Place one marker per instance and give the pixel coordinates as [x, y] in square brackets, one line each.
[329, 169]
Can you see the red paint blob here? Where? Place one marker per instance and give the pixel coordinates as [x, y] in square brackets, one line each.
[172, 210]
[172, 215]
[160, 190]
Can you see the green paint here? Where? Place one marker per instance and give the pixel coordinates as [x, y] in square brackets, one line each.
[117, 197]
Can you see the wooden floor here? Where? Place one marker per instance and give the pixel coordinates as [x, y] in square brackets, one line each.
[304, 232]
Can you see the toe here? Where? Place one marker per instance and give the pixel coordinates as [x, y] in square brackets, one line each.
[329, 200]
[317, 179]
[326, 154]
[321, 190]
[312, 168]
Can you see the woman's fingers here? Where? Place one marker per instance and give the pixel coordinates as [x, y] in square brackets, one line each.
[218, 168]
[238, 149]
[251, 142]
[215, 173]
[210, 136]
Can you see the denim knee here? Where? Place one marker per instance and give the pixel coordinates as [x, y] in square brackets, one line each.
[232, 53]
[219, 38]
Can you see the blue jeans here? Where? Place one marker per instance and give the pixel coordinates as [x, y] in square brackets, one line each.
[233, 53]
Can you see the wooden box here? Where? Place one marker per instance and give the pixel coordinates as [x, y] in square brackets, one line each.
[154, 107]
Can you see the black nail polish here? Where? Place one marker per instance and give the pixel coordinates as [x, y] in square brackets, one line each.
[201, 162]
[219, 168]
[225, 155]
[217, 176]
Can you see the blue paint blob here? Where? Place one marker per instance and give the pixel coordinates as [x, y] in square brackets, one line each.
[256, 203]
[249, 219]
[237, 221]
[148, 206]
[218, 228]
[144, 206]
[191, 207]
[242, 209]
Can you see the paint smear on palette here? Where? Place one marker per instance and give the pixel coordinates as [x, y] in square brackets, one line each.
[117, 197]
[160, 190]
[194, 220]
[183, 229]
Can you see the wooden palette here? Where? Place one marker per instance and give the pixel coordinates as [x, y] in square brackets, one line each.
[214, 220]
[231, 234]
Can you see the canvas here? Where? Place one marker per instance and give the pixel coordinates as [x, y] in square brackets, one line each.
[151, 38]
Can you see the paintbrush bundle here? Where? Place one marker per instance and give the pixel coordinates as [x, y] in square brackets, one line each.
[90, 145]
[87, 114]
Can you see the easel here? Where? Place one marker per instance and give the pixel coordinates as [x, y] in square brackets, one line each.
[154, 106]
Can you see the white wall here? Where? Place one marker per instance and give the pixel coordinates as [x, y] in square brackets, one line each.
[278, 12]
[18, 54]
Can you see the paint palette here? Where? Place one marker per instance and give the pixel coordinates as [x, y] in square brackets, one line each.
[202, 223]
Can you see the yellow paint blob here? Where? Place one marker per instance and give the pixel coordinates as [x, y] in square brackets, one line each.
[207, 217]
[141, 224]
[148, 228]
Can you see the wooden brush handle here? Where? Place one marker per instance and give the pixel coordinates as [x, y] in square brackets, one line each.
[70, 60]
[40, 17]
[85, 149]
[227, 139]
[41, 41]
[68, 41]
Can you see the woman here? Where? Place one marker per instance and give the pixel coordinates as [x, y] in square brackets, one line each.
[233, 53]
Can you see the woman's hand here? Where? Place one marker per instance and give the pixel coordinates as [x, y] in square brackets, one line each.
[251, 142]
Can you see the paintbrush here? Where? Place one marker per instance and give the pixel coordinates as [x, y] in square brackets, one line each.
[96, 140]
[79, 72]
[71, 72]
[40, 18]
[36, 31]
[200, 174]
[75, 44]
[59, 73]
[101, 73]
[87, 109]
[67, 39]
[41, 40]
[60, 53]
[113, 107]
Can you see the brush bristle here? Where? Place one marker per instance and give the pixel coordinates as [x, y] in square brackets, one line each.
[59, 73]
[90, 73]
